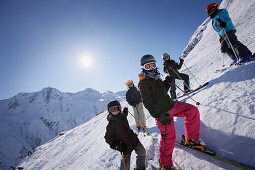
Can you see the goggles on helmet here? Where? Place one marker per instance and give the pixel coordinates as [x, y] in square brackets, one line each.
[212, 10]
[114, 108]
[149, 66]
[166, 57]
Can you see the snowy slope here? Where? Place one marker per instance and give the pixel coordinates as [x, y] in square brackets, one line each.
[28, 120]
[227, 112]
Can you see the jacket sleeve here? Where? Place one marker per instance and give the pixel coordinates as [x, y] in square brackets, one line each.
[148, 100]
[167, 84]
[129, 98]
[178, 66]
[166, 67]
[224, 16]
[109, 135]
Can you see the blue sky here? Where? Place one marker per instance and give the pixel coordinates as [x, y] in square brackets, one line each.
[43, 43]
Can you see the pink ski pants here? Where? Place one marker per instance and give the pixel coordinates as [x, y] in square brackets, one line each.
[191, 124]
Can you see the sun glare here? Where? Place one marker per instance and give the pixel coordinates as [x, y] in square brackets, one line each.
[86, 61]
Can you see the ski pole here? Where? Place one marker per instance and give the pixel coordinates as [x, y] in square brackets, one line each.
[181, 78]
[142, 125]
[123, 161]
[229, 43]
[164, 139]
[197, 103]
[191, 73]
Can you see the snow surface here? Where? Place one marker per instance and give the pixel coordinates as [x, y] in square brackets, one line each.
[29, 120]
[227, 111]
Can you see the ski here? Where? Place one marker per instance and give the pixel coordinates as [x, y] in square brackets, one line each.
[205, 150]
[209, 152]
[153, 164]
[200, 87]
[234, 65]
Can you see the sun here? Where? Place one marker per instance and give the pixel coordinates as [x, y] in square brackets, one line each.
[86, 61]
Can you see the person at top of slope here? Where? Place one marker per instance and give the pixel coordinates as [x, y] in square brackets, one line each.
[171, 68]
[163, 108]
[223, 25]
[121, 138]
[134, 98]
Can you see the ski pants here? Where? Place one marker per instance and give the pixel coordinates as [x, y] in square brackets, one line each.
[184, 77]
[139, 114]
[140, 158]
[240, 49]
[168, 136]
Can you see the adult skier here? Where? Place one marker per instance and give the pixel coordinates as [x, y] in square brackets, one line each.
[163, 108]
[223, 25]
[121, 138]
[171, 68]
[134, 98]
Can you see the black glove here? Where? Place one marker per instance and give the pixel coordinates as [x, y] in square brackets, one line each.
[169, 79]
[122, 147]
[181, 61]
[125, 110]
[221, 23]
[165, 118]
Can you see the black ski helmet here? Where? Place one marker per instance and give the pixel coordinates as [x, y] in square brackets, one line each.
[113, 103]
[147, 59]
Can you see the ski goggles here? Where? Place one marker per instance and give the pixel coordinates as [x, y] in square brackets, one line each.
[149, 66]
[166, 57]
[212, 10]
[114, 109]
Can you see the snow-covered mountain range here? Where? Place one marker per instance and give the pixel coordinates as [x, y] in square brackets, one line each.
[28, 120]
[227, 112]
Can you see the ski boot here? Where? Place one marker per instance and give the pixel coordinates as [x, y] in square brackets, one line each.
[245, 59]
[234, 62]
[196, 144]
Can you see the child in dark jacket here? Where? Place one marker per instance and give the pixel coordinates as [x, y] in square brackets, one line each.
[121, 138]
[134, 98]
[163, 109]
[171, 68]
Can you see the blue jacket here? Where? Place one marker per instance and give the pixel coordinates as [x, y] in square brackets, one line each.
[223, 15]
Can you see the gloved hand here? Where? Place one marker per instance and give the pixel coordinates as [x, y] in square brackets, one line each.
[165, 118]
[122, 147]
[221, 23]
[125, 110]
[169, 79]
[181, 61]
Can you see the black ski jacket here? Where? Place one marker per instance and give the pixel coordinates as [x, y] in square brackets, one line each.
[118, 130]
[133, 96]
[171, 63]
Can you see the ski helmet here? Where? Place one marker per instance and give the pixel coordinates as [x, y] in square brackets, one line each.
[112, 104]
[147, 59]
[129, 83]
[165, 55]
[210, 7]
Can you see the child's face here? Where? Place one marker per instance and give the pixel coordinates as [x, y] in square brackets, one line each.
[115, 110]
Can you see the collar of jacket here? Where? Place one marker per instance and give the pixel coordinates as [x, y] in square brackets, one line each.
[141, 77]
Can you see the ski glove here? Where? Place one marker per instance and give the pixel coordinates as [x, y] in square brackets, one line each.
[122, 147]
[221, 23]
[165, 118]
[125, 111]
[181, 61]
[169, 79]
